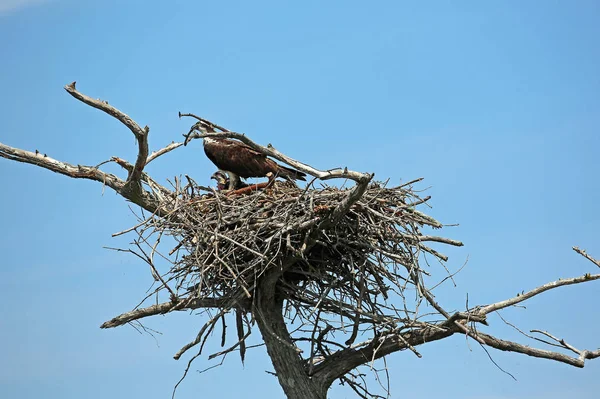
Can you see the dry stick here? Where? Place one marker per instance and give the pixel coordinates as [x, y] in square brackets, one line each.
[192, 360]
[312, 341]
[63, 168]
[585, 254]
[207, 122]
[224, 332]
[534, 352]
[359, 301]
[198, 338]
[151, 263]
[162, 151]
[143, 222]
[166, 307]
[240, 333]
[409, 183]
[560, 341]
[416, 203]
[408, 345]
[241, 341]
[527, 335]
[548, 286]
[262, 256]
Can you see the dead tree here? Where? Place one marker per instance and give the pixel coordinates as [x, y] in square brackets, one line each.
[331, 277]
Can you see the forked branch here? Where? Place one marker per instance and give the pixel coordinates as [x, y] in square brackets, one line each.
[140, 134]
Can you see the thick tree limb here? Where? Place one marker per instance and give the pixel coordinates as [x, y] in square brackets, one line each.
[288, 365]
[142, 198]
[63, 168]
[345, 360]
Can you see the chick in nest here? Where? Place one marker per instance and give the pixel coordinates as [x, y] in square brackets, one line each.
[224, 183]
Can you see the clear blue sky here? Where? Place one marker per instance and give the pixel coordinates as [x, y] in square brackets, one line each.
[496, 104]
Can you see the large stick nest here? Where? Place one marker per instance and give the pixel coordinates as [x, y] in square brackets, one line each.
[226, 243]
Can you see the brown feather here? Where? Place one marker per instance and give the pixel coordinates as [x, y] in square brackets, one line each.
[238, 158]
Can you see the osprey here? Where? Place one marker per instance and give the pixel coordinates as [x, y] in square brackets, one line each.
[240, 160]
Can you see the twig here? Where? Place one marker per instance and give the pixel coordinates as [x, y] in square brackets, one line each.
[586, 255]
[162, 151]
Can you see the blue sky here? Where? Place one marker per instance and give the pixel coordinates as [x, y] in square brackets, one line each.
[496, 104]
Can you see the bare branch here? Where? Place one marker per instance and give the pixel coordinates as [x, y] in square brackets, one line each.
[63, 168]
[523, 297]
[509, 346]
[560, 341]
[209, 324]
[239, 343]
[344, 206]
[206, 122]
[443, 240]
[166, 307]
[109, 109]
[586, 255]
[140, 134]
[162, 151]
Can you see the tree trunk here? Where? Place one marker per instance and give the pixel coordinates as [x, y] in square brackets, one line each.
[285, 356]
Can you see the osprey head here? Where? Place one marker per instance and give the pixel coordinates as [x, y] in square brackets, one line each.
[210, 140]
[222, 180]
